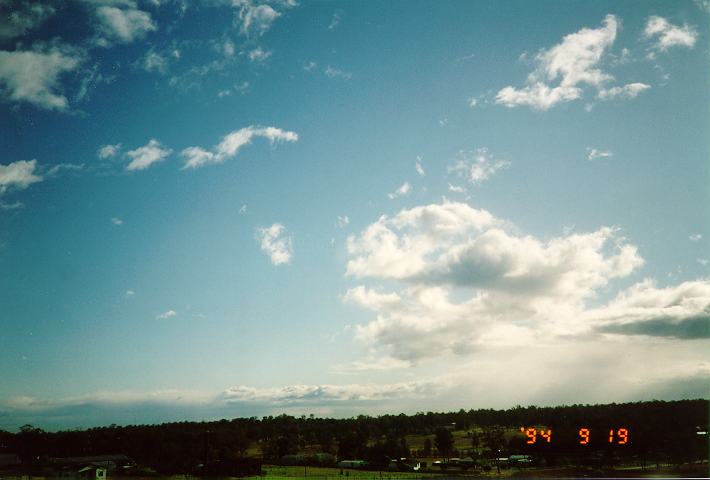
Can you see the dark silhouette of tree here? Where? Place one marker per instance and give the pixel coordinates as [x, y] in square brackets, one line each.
[444, 442]
[427, 447]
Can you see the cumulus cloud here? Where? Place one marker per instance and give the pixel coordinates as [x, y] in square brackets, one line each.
[593, 154]
[231, 143]
[19, 17]
[628, 91]
[477, 167]
[695, 237]
[116, 221]
[124, 23]
[404, 189]
[32, 76]
[109, 151]
[275, 243]
[666, 35]
[680, 311]
[166, 315]
[564, 69]
[468, 279]
[145, 156]
[18, 175]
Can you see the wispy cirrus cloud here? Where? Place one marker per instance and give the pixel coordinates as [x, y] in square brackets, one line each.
[196, 157]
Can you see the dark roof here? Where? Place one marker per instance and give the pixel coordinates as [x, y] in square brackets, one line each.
[93, 459]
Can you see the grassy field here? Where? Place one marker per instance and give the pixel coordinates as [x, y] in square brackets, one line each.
[323, 473]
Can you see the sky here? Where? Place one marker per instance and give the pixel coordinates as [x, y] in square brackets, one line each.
[253, 207]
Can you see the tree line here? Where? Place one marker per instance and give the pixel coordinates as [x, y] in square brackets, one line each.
[660, 431]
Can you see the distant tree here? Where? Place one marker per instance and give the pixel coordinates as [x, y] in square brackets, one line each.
[444, 442]
[427, 447]
[475, 438]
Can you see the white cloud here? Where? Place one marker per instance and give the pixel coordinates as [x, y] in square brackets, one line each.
[574, 62]
[275, 243]
[334, 21]
[259, 54]
[22, 17]
[130, 293]
[667, 35]
[243, 209]
[231, 144]
[124, 23]
[477, 167]
[593, 153]
[56, 169]
[333, 72]
[11, 206]
[166, 315]
[472, 102]
[321, 393]
[469, 280]
[145, 156]
[18, 175]
[342, 221]
[678, 311]
[702, 261]
[33, 76]
[109, 151]
[255, 19]
[116, 221]
[695, 237]
[628, 91]
[403, 190]
[418, 167]
[456, 189]
[308, 66]
[228, 48]
[154, 62]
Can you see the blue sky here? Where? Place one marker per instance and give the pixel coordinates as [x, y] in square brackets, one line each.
[213, 209]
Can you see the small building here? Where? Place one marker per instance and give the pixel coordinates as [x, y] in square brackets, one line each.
[92, 473]
[351, 464]
[520, 460]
